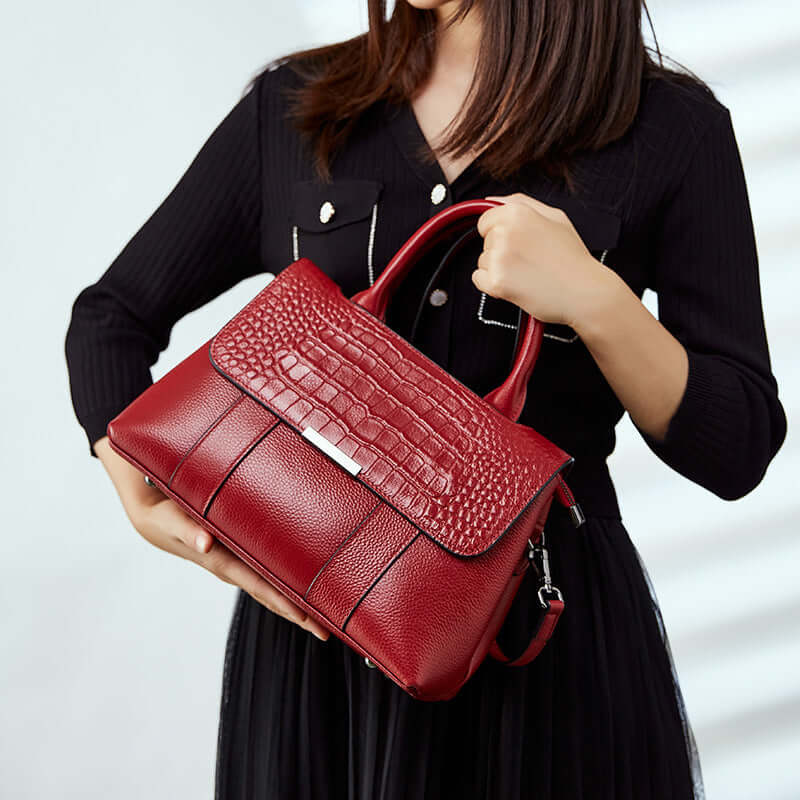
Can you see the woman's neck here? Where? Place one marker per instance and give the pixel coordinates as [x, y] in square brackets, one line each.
[457, 47]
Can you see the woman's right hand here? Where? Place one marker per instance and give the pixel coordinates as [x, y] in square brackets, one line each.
[163, 523]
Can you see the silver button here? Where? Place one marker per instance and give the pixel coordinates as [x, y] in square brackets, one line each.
[326, 211]
[438, 297]
[438, 193]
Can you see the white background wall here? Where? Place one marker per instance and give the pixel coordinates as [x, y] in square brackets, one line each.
[112, 651]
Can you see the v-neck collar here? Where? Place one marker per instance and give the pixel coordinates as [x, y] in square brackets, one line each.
[408, 136]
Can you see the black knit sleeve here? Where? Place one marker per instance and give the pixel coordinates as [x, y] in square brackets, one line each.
[730, 422]
[201, 240]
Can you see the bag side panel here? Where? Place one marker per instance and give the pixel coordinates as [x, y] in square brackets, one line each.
[432, 616]
[164, 422]
[503, 607]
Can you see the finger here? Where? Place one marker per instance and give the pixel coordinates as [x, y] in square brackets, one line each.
[224, 563]
[480, 280]
[308, 624]
[257, 587]
[551, 212]
[496, 198]
[489, 218]
[495, 242]
[489, 239]
[172, 521]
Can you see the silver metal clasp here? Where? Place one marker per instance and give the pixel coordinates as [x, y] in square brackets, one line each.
[331, 450]
[546, 586]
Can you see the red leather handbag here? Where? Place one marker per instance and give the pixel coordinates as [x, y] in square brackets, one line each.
[394, 505]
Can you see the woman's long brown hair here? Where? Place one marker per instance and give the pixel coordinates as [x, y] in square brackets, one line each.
[552, 78]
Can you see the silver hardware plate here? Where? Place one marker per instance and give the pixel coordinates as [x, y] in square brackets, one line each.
[339, 456]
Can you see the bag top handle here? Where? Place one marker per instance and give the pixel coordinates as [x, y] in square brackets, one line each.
[509, 397]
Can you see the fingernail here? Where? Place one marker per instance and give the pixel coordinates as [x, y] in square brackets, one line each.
[320, 636]
[200, 542]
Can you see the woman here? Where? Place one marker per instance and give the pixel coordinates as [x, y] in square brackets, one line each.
[616, 174]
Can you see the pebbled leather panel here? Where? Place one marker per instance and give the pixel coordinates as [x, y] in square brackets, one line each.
[285, 484]
[431, 637]
[456, 468]
[206, 466]
[358, 562]
[168, 418]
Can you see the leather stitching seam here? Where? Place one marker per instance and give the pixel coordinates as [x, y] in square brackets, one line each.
[203, 435]
[245, 453]
[385, 569]
[341, 545]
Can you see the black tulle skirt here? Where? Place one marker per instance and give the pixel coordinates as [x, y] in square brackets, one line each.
[598, 715]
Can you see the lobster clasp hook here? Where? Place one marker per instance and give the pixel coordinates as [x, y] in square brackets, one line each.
[538, 550]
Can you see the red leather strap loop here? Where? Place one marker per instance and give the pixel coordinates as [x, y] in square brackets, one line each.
[538, 641]
[509, 397]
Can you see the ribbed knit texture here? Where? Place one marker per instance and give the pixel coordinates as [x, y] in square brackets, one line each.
[705, 271]
[200, 241]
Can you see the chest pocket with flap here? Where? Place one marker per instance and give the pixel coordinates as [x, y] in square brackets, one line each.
[334, 225]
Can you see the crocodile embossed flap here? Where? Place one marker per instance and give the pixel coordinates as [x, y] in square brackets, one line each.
[437, 452]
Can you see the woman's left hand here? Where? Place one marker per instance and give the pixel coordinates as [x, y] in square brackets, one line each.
[533, 257]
